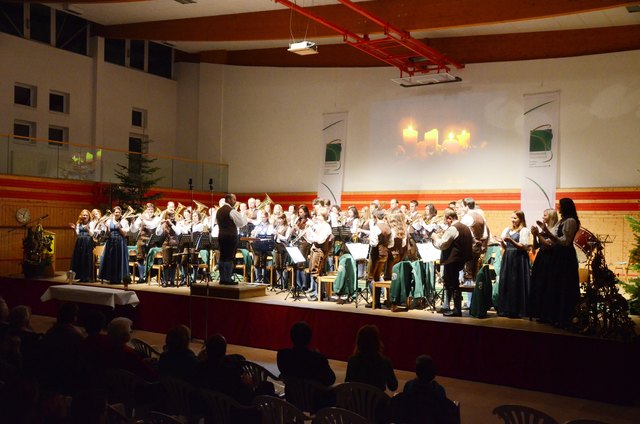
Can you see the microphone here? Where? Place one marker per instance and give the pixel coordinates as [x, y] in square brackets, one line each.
[211, 184]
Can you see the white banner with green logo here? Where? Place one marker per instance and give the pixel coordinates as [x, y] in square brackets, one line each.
[542, 137]
[334, 137]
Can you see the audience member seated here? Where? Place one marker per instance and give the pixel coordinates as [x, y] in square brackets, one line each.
[88, 406]
[60, 348]
[120, 355]
[302, 362]
[25, 340]
[178, 360]
[93, 348]
[367, 364]
[4, 324]
[222, 373]
[423, 399]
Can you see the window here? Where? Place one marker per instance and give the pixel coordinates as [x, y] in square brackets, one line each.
[71, 32]
[160, 60]
[138, 118]
[22, 130]
[136, 144]
[24, 94]
[114, 51]
[136, 54]
[39, 23]
[58, 102]
[12, 18]
[58, 136]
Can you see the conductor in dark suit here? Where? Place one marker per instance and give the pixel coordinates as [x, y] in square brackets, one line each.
[456, 245]
[229, 220]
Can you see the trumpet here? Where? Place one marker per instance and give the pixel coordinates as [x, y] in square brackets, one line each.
[157, 212]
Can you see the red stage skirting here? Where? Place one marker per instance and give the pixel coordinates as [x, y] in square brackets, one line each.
[564, 364]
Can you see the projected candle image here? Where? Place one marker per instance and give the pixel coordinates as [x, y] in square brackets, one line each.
[455, 142]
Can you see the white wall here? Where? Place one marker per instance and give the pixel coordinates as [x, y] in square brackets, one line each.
[266, 122]
[46, 68]
[120, 90]
[272, 123]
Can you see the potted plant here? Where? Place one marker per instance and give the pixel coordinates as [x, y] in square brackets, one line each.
[36, 247]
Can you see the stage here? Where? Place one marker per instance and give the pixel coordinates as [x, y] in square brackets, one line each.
[512, 352]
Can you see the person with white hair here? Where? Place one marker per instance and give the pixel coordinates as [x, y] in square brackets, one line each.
[120, 355]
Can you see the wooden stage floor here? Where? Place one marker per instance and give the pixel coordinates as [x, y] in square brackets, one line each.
[513, 352]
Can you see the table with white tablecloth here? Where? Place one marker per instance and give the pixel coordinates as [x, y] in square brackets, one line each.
[92, 295]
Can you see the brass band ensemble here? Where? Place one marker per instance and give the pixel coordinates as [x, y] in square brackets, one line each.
[293, 249]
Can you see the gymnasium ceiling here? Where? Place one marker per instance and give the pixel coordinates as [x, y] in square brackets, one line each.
[258, 32]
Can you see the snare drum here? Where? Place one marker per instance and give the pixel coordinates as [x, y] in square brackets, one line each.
[585, 242]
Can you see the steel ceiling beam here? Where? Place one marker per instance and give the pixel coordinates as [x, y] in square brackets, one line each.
[397, 47]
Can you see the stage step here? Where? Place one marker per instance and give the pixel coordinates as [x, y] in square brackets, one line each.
[239, 291]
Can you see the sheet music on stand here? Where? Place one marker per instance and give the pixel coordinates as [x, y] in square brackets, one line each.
[341, 233]
[204, 241]
[295, 254]
[359, 251]
[185, 240]
[428, 252]
[155, 240]
[263, 245]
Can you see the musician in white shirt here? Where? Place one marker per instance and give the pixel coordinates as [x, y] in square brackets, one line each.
[262, 231]
[320, 239]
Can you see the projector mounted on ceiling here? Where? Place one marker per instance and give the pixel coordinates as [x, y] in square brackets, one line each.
[303, 48]
[426, 79]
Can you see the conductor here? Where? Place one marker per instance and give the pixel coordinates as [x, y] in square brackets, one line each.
[456, 246]
[229, 220]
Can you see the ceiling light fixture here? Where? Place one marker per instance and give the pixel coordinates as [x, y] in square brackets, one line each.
[186, 1]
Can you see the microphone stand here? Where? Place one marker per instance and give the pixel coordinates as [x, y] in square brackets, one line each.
[206, 301]
[188, 271]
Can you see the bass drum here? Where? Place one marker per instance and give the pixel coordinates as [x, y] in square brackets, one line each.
[585, 243]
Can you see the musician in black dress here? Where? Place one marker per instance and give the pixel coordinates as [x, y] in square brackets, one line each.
[114, 265]
[229, 220]
[565, 282]
[82, 259]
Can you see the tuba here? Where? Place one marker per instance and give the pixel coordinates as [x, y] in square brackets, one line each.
[104, 218]
[178, 213]
[130, 213]
[200, 207]
[265, 202]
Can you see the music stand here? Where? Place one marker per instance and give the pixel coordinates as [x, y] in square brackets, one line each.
[360, 252]
[429, 253]
[155, 241]
[186, 241]
[262, 246]
[204, 241]
[296, 257]
[341, 234]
